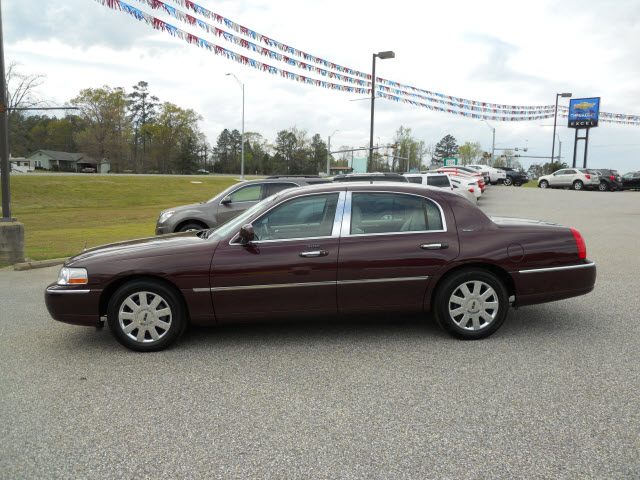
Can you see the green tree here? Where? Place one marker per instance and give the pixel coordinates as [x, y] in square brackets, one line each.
[143, 110]
[470, 153]
[551, 167]
[445, 148]
[173, 127]
[108, 127]
[318, 154]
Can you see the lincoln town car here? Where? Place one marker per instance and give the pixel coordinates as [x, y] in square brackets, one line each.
[322, 251]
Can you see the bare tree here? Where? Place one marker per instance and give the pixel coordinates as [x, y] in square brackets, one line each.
[22, 90]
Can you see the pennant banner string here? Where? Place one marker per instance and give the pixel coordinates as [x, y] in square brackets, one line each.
[618, 116]
[452, 101]
[185, 17]
[158, 24]
[188, 4]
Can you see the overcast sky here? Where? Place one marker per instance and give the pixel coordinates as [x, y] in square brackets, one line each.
[506, 52]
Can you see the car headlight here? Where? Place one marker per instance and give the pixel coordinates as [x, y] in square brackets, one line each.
[164, 216]
[72, 276]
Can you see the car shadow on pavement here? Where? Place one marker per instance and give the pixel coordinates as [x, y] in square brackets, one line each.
[541, 322]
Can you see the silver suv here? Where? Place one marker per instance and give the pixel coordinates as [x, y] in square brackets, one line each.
[576, 178]
[226, 205]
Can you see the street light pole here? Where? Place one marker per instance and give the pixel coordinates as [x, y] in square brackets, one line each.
[555, 118]
[559, 149]
[493, 145]
[382, 56]
[329, 152]
[242, 158]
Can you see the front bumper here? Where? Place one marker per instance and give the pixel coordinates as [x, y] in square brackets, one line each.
[77, 305]
[162, 229]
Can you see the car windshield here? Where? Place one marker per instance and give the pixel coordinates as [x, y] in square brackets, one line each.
[235, 223]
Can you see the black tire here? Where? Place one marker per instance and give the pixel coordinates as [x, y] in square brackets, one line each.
[543, 184]
[603, 187]
[190, 227]
[578, 185]
[517, 184]
[169, 311]
[508, 182]
[476, 326]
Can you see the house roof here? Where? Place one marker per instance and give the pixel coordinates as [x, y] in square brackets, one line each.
[67, 156]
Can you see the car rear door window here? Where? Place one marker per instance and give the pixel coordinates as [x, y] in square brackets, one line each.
[303, 217]
[250, 193]
[376, 213]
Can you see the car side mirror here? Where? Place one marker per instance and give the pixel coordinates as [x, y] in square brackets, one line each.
[226, 200]
[246, 235]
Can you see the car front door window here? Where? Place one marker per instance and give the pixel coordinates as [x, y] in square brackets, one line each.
[250, 193]
[304, 217]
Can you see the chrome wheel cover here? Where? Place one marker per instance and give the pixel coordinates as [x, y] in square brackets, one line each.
[145, 317]
[577, 185]
[473, 305]
[602, 187]
[508, 181]
[543, 184]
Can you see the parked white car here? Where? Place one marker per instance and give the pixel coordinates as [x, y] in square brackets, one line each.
[575, 178]
[444, 181]
[469, 187]
[496, 175]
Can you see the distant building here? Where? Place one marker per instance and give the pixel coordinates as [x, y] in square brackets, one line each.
[66, 162]
[359, 165]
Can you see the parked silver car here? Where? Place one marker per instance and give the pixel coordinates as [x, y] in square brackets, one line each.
[226, 205]
[575, 178]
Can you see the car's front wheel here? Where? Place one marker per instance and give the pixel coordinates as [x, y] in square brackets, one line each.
[471, 304]
[146, 315]
[190, 227]
[543, 184]
[508, 181]
[578, 185]
[603, 187]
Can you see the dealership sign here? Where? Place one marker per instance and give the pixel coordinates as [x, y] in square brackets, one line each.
[449, 162]
[583, 112]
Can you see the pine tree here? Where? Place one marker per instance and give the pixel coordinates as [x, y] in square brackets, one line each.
[446, 148]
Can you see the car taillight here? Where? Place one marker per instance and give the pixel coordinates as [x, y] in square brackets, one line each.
[472, 190]
[588, 176]
[612, 177]
[582, 247]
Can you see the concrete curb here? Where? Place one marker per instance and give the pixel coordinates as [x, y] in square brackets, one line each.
[39, 264]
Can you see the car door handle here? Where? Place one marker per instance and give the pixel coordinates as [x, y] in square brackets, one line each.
[314, 253]
[434, 246]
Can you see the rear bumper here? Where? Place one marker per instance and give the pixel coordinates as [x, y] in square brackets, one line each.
[78, 306]
[543, 285]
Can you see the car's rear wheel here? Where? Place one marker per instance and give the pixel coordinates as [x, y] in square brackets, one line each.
[543, 184]
[508, 181]
[190, 227]
[146, 315]
[603, 187]
[471, 304]
[578, 185]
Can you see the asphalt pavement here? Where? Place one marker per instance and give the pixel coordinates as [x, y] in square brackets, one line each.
[554, 394]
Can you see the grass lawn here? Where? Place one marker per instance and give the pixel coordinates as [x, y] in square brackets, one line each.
[61, 212]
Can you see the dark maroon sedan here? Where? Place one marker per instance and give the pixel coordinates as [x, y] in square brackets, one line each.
[323, 251]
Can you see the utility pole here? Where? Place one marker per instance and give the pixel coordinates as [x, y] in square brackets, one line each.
[11, 231]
